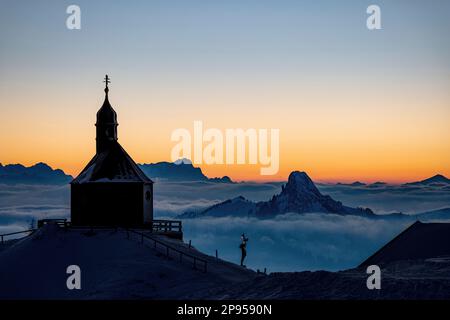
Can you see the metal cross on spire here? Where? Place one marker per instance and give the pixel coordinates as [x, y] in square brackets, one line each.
[107, 80]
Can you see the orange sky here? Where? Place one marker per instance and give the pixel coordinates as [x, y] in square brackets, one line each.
[395, 137]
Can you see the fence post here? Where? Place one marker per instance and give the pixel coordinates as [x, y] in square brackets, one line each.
[217, 255]
[189, 244]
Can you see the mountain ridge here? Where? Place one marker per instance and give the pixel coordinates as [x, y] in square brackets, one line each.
[39, 173]
[299, 195]
[42, 173]
[178, 171]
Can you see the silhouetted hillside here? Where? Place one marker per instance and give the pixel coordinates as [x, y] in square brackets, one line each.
[39, 173]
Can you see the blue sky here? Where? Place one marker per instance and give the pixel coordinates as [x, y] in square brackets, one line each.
[218, 36]
[229, 63]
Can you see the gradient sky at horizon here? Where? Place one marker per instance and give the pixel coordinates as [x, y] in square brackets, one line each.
[351, 104]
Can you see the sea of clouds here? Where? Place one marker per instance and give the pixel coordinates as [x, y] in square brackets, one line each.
[290, 242]
[293, 242]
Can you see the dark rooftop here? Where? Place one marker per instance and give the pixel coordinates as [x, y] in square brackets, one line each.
[112, 165]
[418, 242]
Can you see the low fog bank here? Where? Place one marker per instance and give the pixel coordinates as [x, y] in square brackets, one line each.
[294, 242]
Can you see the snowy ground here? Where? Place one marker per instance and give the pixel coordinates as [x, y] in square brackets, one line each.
[112, 267]
[115, 267]
[406, 280]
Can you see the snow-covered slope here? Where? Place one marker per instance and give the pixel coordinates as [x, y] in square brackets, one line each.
[421, 279]
[112, 267]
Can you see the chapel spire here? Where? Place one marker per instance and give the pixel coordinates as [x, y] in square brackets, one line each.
[106, 122]
[106, 81]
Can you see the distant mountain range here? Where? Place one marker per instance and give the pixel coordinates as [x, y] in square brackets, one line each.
[178, 171]
[437, 180]
[299, 195]
[39, 173]
[182, 170]
[377, 184]
[354, 184]
[42, 173]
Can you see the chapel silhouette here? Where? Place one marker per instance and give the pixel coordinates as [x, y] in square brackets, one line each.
[111, 190]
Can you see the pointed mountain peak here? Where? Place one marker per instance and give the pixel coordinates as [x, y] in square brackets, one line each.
[299, 176]
[439, 177]
[300, 181]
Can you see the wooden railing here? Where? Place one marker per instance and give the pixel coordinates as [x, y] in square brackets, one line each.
[2, 236]
[167, 249]
[159, 225]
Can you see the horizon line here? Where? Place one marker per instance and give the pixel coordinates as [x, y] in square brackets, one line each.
[320, 181]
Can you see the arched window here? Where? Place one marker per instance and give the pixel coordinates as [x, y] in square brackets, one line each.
[148, 196]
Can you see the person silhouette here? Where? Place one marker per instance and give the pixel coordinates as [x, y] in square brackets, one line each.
[243, 247]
